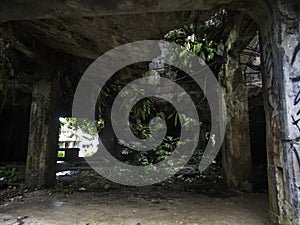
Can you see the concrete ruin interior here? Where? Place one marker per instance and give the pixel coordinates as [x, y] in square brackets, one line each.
[45, 47]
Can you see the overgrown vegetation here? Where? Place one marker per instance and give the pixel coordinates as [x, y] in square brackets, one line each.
[205, 39]
[83, 181]
[11, 174]
[87, 126]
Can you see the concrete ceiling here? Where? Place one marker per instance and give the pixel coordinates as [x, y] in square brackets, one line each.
[34, 9]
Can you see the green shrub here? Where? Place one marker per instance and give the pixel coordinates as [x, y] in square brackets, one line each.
[11, 174]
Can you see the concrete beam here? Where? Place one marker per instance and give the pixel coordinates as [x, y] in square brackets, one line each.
[32, 9]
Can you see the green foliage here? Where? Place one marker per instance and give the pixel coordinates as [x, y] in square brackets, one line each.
[149, 158]
[274, 223]
[87, 126]
[164, 150]
[11, 174]
[194, 40]
[198, 38]
[61, 154]
[83, 180]
[71, 122]
[104, 95]
[144, 109]
[197, 156]
[140, 128]
[167, 146]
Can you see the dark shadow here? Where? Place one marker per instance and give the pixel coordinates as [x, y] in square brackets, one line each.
[257, 124]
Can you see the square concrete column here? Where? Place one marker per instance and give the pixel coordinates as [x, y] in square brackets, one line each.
[43, 135]
[281, 62]
[237, 161]
[236, 150]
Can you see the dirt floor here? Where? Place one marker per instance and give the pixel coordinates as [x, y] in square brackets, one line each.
[85, 198]
[134, 206]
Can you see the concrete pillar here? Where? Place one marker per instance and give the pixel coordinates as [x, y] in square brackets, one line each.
[107, 134]
[237, 163]
[281, 61]
[43, 135]
[236, 156]
[290, 141]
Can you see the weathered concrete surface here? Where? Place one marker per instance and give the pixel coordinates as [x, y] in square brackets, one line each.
[31, 9]
[290, 116]
[236, 156]
[91, 37]
[43, 135]
[279, 42]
